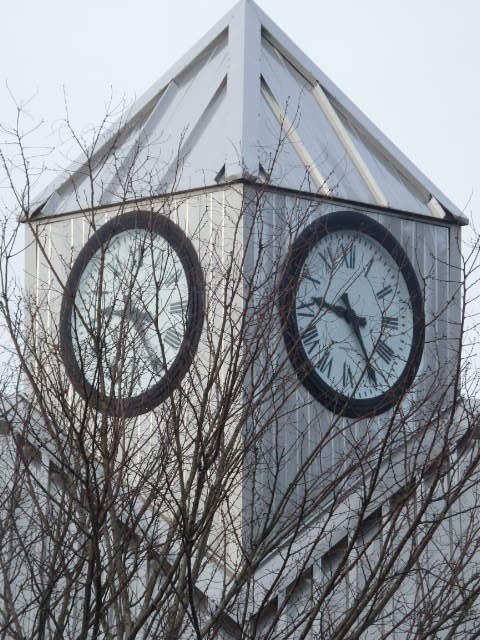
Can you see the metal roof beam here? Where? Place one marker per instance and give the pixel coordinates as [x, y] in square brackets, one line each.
[345, 139]
[295, 140]
[309, 70]
[436, 208]
[243, 92]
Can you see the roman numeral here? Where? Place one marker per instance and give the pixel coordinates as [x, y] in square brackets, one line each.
[117, 264]
[349, 257]
[368, 267]
[176, 308]
[389, 323]
[172, 338]
[304, 310]
[170, 280]
[310, 338]
[347, 375]
[310, 335]
[328, 258]
[325, 364]
[384, 292]
[384, 351]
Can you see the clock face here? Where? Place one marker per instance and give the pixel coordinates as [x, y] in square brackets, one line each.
[352, 313]
[132, 313]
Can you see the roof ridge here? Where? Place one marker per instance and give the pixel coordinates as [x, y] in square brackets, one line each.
[339, 158]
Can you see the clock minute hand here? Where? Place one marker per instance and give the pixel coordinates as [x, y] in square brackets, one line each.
[140, 320]
[352, 319]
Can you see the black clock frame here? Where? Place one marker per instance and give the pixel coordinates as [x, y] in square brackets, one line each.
[148, 400]
[320, 390]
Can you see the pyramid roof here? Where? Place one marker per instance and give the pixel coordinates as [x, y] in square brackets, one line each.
[245, 103]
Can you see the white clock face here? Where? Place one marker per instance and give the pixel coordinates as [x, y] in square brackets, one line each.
[354, 314]
[130, 314]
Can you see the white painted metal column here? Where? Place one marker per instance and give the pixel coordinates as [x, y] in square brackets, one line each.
[243, 93]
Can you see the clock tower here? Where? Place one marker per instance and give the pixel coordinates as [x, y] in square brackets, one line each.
[258, 295]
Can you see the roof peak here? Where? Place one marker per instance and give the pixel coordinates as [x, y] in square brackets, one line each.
[252, 87]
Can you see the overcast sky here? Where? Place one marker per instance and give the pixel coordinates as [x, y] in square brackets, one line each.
[413, 66]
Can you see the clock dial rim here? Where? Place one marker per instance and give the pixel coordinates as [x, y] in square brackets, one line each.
[147, 400]
[347, 220]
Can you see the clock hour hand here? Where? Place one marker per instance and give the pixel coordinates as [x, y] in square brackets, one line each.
[353, 320]
[341, 312]
[140, 320]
